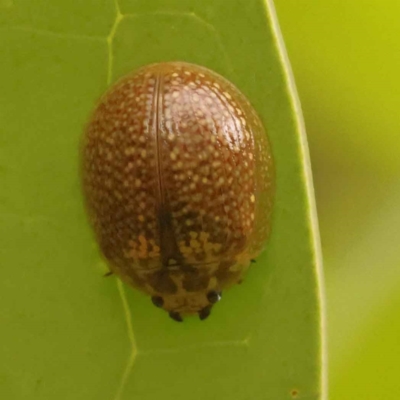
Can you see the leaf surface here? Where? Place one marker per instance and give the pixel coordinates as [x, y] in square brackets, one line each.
[69, 333]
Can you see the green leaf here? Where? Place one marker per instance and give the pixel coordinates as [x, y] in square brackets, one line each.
[68, 332]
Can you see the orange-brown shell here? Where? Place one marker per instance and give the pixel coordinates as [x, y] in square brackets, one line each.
[178, 179]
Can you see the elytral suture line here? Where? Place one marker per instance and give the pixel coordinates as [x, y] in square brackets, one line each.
[127, 312]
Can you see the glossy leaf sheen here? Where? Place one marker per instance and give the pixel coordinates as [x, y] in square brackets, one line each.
[67, 331]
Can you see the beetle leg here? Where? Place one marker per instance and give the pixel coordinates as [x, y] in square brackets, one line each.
[205, 312]
[175, 316]
[158, 301]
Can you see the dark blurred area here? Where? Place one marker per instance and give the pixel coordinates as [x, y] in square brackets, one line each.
[346, 60]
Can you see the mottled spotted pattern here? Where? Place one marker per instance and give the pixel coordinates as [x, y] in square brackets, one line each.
[178, 179]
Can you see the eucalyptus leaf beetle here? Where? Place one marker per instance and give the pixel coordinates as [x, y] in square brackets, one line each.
[178, 179]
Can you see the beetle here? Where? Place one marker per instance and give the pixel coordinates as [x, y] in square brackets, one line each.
[178, 180]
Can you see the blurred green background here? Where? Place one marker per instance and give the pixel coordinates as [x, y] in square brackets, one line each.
[345, 56]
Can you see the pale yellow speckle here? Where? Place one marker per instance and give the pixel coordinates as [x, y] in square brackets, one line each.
[129, 150]
[141, 218]
[173, 156]
[252, 198]
[217, 246]
[129, 166]
[216, 164]
[186, 250]
[194, 244]
[208, 246]
[212, 284]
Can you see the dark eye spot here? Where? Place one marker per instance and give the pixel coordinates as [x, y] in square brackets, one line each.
[158, 301]
[213, 296]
